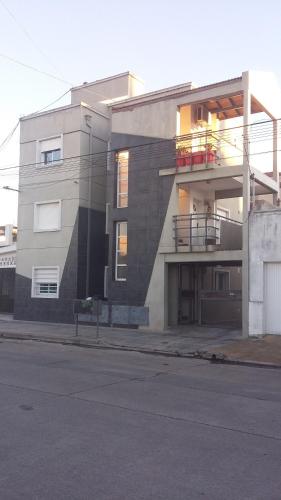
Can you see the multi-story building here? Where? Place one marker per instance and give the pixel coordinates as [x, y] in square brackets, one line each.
[163, 222]
[61, 250]
[185, 174]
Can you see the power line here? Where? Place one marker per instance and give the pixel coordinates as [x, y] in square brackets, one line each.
[28, 66]
[50, 75]
[27, 34]
[105, 175]
[11, 133]
[9, 136]
[164, 142]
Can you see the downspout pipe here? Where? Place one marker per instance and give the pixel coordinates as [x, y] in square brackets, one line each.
[89, 218]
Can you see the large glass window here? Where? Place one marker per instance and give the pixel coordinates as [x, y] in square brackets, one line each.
[122, 178]
[121, 263]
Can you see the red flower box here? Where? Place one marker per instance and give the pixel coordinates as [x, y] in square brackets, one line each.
[196, 158]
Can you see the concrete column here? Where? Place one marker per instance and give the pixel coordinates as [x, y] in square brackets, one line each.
[275, 167]
[246, 204]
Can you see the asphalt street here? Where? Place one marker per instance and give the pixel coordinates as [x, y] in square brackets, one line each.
[111, 425]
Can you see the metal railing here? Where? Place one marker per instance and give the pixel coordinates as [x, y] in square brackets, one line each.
[208, 148]
[200, 231]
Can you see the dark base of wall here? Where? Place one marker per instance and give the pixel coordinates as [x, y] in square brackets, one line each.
[30, 309]
[7, 289]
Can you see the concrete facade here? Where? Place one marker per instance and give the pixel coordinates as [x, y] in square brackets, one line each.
[223, 187]
[193, 181]
[77, 184]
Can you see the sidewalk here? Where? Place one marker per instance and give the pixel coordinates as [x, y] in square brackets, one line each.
[183, 342]
[215, 344]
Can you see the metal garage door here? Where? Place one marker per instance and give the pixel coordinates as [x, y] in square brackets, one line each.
[272, 297]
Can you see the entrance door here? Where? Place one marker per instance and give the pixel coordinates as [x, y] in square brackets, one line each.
[272, 297]
[186, 294]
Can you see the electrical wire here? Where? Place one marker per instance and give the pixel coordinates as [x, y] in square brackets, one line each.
[140, 147]
[12, 132]
[103, 175]
[9, 136]
[27, 34]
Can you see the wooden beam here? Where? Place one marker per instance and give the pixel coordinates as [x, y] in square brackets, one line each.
[234, 106]
[220, 109]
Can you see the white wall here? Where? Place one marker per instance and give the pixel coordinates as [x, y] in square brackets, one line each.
[264, 246]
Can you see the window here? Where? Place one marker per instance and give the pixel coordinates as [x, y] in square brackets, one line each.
[49, 151]
[45, 282]
[47, 216]
[121, 251]
[122, 179]
[222, 280]
[53, 156]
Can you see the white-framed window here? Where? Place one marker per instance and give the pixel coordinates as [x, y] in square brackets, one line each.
[50, 151]
[121, 254]
[45, 282]
[47, 216]
[122, 159]
[222, 280]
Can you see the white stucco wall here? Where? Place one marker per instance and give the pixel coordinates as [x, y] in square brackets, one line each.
[264, 246]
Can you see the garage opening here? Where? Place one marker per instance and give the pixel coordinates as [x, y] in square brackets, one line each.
[205, 294]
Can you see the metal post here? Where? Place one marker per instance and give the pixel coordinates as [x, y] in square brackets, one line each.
[206, 232]
[206, 150]
[98, 318]
[190, 233]
[199, 309]
[76, 325]
[176, 232]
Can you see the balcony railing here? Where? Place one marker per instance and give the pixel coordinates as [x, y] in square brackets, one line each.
[207, 148]
[206, 232]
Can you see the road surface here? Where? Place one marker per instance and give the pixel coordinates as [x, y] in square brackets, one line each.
[106, 425]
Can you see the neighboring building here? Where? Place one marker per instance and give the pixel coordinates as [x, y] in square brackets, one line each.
[8, 238]
[160, 224]
[61, 250]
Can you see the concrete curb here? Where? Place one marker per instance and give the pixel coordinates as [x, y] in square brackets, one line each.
[93, 345]
[215, 358]
[219, 358]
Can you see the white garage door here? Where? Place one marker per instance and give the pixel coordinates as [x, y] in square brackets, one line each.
[272, 297]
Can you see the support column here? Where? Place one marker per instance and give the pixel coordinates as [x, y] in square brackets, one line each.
[246, 205]
[275, 169]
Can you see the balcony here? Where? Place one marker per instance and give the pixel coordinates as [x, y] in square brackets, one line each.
[204, 232]
[209, 149]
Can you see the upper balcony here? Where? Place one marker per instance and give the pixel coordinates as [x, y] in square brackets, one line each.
[203, 232]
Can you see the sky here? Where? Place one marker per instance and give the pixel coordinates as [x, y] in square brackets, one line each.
[163, 42]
